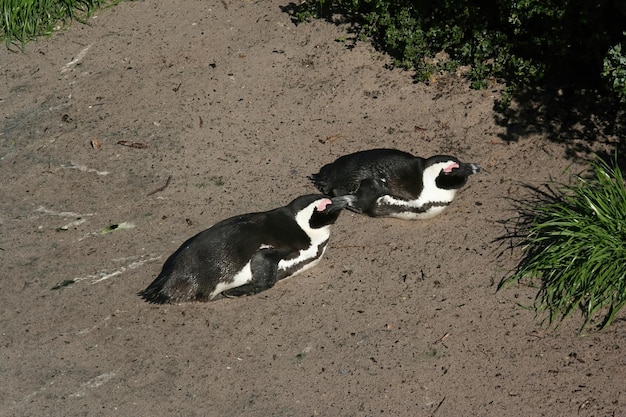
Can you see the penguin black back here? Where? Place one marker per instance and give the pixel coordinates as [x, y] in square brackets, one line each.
[247, 253]
[344, 175]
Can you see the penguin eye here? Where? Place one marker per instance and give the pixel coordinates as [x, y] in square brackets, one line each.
[448, 169]
[322, 204]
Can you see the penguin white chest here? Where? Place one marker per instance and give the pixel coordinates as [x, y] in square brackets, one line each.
[431, 202]
[309, 257]
[241, 278]
[412, 215]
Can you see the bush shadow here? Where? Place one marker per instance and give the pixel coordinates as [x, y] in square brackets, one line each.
[301, 13]
[586, 122]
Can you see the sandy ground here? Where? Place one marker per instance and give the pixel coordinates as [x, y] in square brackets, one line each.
[230, 106]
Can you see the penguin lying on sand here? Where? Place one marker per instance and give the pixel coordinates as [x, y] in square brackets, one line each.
[392, 183]
[249, 253]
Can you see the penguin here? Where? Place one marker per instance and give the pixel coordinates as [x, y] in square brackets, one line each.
[249, 253]
[393, 183]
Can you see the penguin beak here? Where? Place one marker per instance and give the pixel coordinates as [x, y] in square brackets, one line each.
[475, 168]
[466, 169]
[341, 202]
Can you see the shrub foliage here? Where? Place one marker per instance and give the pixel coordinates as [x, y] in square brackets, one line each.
[519, 41]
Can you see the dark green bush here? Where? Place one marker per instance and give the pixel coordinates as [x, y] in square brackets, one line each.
[521, 42]
[615, 70]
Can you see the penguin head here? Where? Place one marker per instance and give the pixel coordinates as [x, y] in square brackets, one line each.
[317, 211]
[448, 172]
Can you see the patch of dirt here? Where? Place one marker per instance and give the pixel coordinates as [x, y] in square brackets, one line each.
[236, 106]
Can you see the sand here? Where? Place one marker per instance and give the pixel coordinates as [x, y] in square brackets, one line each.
[122, 138]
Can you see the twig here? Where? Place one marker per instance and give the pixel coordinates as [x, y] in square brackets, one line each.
[438, 405]
[167, 182]
[137, 145]
[330, 139]
[442, 338]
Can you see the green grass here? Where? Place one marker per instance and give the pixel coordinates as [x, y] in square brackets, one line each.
[574, 242]
[25, 20]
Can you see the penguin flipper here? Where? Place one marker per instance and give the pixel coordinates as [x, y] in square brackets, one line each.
[264, 266]
[370, 189]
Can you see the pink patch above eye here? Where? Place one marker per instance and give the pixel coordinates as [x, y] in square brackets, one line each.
[450, 167]
[322, 204]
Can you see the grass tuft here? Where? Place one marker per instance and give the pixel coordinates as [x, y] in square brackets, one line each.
[574, 242]
[25, 20]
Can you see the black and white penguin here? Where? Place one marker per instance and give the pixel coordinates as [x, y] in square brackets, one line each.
[393, 183]
[249, 253]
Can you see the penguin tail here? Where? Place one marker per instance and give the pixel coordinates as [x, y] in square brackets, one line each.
[155, 293]
[154, 296]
